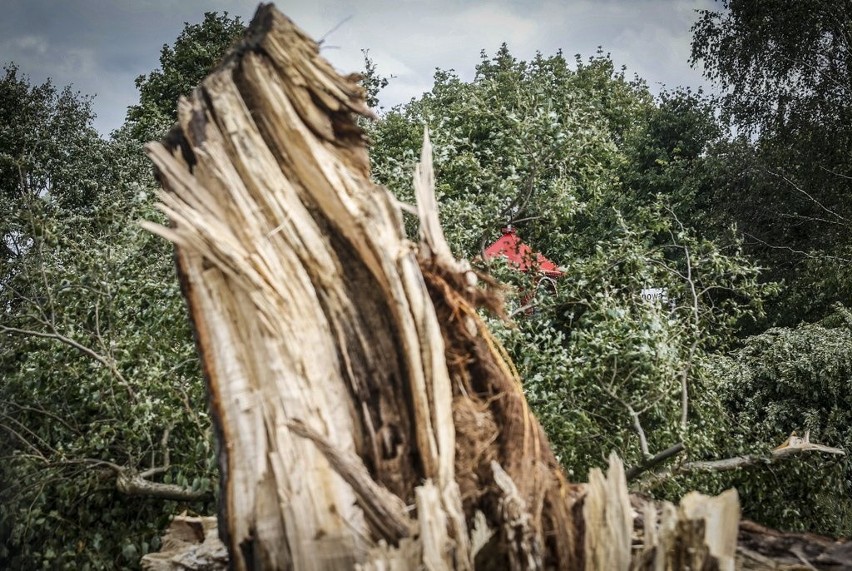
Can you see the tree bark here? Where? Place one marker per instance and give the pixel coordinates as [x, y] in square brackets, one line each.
[366, 418]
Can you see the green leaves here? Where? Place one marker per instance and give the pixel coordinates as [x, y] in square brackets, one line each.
[594, 174]
[98, 362]
[198, 48]
[785, 72]
[49, 148]
[520, 144]
[788, 379]
[780, 61]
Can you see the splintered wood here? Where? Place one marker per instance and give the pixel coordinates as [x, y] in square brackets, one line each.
[365, 416]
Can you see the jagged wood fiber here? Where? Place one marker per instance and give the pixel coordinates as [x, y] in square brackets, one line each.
[317, 329]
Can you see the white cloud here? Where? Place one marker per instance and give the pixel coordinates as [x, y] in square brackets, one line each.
[28, 44]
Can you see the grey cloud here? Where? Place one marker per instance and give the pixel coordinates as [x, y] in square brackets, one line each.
[101, 46]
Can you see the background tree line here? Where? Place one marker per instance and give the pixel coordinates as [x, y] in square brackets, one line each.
[738, 206]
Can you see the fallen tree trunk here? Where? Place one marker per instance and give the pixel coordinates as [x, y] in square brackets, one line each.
[366, 418]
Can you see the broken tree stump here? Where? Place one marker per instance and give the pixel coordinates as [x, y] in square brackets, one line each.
[365, 416]
[350, 378]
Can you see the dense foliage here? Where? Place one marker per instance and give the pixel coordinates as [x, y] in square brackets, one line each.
[98, 368]
[785, 68]
[795, 379]
[589, 169]
[197, 49]
[626, 191]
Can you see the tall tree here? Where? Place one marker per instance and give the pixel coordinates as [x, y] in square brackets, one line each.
[785, 68]
[781, 63]
[45, 140]
[101, 409]
[196, 50]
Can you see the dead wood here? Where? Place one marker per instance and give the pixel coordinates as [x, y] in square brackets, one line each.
[329, 353]
[762, 548]
[366, 418]
[793, 446]
[189, 543]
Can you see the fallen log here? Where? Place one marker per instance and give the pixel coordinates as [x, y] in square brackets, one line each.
[365, 416]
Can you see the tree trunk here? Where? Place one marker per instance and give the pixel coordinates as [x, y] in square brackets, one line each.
[365, 415]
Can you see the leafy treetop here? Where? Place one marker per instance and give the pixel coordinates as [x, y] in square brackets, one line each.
[198, 48]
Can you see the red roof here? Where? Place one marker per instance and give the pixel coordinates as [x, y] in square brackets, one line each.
[520, 255]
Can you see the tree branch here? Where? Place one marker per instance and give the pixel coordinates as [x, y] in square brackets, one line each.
[522, 309]
[132, 483]
[793, 446]
[656, 460]
[799, 252]
[808, 195]
[164, 444]
[637, 426]
[57, 418]
[79, 347]
[24, 441]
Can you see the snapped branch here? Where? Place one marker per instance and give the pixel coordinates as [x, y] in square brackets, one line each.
[791, 447]
[132, 483]
[654, 461]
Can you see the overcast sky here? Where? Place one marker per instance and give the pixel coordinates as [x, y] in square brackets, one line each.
[101, 46]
